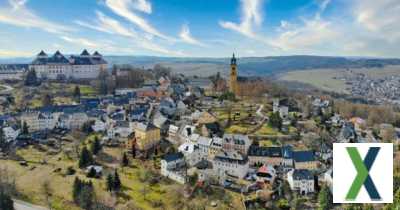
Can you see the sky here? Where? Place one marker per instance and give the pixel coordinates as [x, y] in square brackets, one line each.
[201, 28]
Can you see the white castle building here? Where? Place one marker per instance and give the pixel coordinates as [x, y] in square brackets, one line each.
[84, 66]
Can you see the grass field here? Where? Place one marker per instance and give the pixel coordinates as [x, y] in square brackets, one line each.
[322, 79]
[325, 78]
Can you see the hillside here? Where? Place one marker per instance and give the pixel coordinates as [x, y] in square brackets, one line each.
[249, 66]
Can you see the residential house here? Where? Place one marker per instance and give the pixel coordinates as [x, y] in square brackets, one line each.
[347, 133]
[99, 126]
[72, 120]
[281, 106]
[215, 147]
[38, 121]
[266, 174]
[328, 178]
[230, 164]
[304, 160]
[265, 155]
[204, 144]
[238, 142]
[191, 152]
[121, 129]
[11, 133]
[146, 136]
[301, 180]
[173, 166]
[173, 135]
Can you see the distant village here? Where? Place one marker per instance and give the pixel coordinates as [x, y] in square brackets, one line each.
[257, 149]
[373, 90]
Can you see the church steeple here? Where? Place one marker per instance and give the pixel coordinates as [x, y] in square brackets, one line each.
[233, 60]
[233, 86]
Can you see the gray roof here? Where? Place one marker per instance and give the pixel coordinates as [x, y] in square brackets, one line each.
[258, 151]
[302, 174]
[230, 156]
[173, 157]
[303, 156]
[238, 139]
[84, 59]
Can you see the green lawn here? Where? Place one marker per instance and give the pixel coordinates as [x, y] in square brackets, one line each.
[267, 130]
[242, 129]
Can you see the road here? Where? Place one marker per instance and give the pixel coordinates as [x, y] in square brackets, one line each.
[21, 205]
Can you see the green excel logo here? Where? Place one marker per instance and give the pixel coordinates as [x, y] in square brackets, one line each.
[363, 177]
[362, 173]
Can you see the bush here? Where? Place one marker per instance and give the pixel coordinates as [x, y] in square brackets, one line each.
[70, 171]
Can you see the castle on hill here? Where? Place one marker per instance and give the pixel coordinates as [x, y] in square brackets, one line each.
[58, 66]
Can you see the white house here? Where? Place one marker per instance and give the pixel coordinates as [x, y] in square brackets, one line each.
[99, 126]
[230, 164]
[11, 133]
[280, 107]
[191, 152]
[173, 167]
[301, 180]
[173, 134]
[328, 178]
[73, 120]
[120, 129]
[204, 144]
[37, 121]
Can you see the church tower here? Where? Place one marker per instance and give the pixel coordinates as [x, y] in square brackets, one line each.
[233, 86]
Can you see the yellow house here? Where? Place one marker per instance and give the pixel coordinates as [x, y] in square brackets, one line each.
[147, 136]
[304, 160]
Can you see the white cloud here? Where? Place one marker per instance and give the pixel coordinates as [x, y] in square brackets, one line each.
[251, 17]
[142, 5]
[187, 37]
[81, 41]
[11, 53]
[308, 36]
[124, 8]
[379, 17]
[108, 25]
[99, 45]
[112, 26]
[16, 13]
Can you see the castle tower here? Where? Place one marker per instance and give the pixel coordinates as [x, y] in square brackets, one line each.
[233, 86]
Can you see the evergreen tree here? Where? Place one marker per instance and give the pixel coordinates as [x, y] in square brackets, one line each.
[83, 193]
[76, 190]
[77, 93]
[3, 143]
[96, 146]
[31, 78]
[86, 158]
[103, 87]
[92, 173]
[87, 127]
[324, 198]
[86, 196]
[110, 183]
[6, 203]
[47, 100]
[125, 160]
[25, 129]
[117, 182]
[133, 150]
[275, 120]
